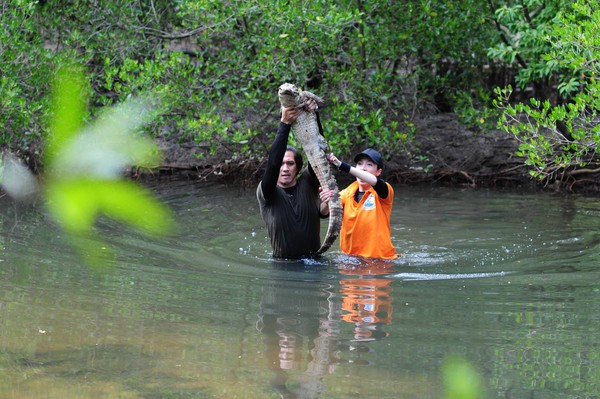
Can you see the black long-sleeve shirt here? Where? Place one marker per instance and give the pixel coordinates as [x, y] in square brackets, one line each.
[291, 214]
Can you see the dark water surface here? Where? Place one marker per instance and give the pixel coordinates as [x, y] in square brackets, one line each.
[508, 281]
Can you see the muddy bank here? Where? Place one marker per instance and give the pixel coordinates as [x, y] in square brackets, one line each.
[454, 155]
[444, 153]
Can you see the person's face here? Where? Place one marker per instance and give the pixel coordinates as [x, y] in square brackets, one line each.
[288, 171]
[367, 164]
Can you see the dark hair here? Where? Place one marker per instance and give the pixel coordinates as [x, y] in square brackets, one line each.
[297, 158]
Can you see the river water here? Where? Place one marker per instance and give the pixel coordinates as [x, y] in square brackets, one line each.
[508, 281]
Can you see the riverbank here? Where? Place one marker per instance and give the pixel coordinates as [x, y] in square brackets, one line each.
[444, 153]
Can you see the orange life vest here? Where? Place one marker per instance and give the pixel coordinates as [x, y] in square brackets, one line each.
[366, 225]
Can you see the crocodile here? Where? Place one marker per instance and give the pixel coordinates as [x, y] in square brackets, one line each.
[306, 130]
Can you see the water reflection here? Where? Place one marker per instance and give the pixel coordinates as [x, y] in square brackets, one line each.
[302, 311]
[299, 319]
[366, 299]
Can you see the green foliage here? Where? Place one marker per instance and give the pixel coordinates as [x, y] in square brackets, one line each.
[449, 42]
[525, 28]
[359, 128]
[216, 65]
[556, 138]
[25, 69]
[476, 111]
[306, 42]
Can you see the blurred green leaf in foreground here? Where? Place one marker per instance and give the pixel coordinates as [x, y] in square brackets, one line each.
[461, 380]
[84, 164]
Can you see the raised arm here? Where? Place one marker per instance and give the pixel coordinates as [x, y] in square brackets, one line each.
[276, 153]
[378, 183]
[278, 148]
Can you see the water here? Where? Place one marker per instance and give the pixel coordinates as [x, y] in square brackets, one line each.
[508, 281]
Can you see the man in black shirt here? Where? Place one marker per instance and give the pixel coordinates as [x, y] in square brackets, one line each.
[291, 205]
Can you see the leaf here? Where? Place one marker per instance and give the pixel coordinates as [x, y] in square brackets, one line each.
[85, 166]
[107, 146]
[77, 203]
[461, 380]
[68, 108]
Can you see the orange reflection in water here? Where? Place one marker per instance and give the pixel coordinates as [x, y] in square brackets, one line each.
[366, 298]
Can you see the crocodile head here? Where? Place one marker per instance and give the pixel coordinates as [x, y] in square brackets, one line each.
[288, 95]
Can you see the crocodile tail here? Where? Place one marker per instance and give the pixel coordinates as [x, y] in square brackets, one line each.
[335, 222]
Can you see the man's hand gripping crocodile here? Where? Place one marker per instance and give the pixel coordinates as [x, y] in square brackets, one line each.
[306, 130]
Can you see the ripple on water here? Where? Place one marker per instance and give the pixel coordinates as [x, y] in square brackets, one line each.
[441, 276]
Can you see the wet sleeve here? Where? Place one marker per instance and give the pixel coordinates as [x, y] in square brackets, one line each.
[276, 154]
[381, 188]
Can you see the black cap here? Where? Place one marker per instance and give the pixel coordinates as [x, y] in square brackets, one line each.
[374, 155]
